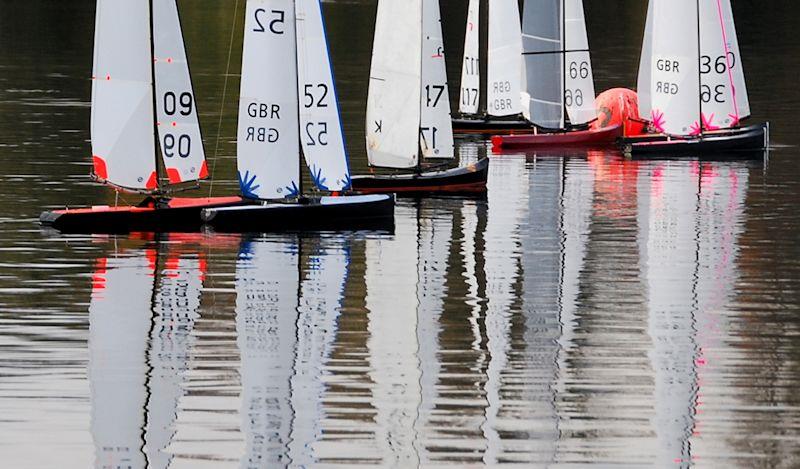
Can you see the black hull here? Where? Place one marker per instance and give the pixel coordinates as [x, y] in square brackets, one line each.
[176, 215]
[490, 126]
[741, 142]
[346, 213]
[465, 180]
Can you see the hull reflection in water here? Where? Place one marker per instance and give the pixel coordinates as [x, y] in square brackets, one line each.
[144, 306]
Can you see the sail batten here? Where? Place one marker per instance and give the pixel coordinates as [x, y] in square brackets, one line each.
[122, 127]
[470, 96]
[393, 102]
[268, 140]
[436, 124]
[321, 131]
[505, 63]
[180, 138]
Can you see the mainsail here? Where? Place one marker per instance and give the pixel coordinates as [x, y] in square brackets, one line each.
[722, 88]
[320, 125]
[176, 110]
[505, 64]
[268, 134]
[558, 68]
[393, 111]
[471, 68]
[122, 127]
[436, 124]
[674, 68]
[542, 46]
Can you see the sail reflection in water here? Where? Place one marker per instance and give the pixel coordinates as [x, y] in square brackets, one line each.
[144, 305]
[480, 332]
[689, 219]
[287, 306]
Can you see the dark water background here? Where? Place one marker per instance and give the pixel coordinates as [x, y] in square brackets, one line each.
[593, 309]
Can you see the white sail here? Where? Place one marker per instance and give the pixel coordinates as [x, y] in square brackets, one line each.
[268, 135]
[122, 127]
[645, 63]
[722, 88]
[675, 87]
[436, 124]
[470, 97]
[543, 53]
[505, 59]
[320, 124]
[176, 108]
[266, 325]
[579, 90]
[119, 324]
[393, 112]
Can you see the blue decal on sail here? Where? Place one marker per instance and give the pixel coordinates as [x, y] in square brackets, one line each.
[248, 185]
[294, 191]
[319, 179]
[348, 183]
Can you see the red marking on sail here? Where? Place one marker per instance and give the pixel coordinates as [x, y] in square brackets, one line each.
[108, 77]
[100, 168]
[152, 183]
[174, 175]
[203, 170]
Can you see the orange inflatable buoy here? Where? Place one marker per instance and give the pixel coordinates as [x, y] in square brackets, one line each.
[619, 106]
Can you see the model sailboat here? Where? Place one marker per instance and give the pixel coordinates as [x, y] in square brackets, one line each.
[142, 100]
[408, 109]
[558, 94]
[288, 97]
[691, 82]
[503, 111]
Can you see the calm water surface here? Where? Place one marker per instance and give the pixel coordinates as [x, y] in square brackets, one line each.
[591, 309]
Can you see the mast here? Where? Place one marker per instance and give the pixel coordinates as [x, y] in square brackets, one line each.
[563, 63]
[297, 98]
[699, 73]
[418, 168]
[157, 189]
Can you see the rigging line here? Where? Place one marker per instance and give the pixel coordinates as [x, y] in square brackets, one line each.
[224, 95]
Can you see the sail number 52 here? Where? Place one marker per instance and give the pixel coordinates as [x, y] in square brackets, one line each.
[276, 19]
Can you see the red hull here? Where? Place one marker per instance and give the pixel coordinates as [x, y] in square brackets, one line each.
[577, 138]
[177, 214]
